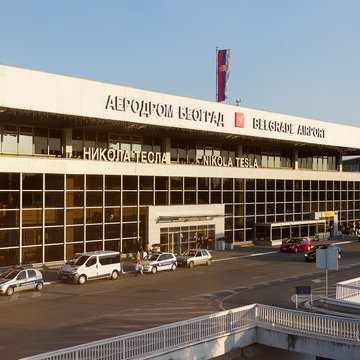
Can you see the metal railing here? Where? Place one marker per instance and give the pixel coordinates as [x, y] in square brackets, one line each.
[348, 290]
[162, 339]
[343, 330]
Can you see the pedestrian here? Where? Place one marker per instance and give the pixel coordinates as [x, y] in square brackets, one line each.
[138, 266]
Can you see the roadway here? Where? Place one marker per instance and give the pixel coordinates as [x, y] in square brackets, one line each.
[64, 315]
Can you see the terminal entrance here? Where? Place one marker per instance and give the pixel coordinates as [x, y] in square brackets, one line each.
[181, 238]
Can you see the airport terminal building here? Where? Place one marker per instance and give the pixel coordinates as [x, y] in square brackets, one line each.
[87, 165]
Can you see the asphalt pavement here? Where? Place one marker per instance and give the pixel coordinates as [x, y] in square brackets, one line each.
[50, 274]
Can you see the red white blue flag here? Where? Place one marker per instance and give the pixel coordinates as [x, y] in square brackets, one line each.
[222, 74]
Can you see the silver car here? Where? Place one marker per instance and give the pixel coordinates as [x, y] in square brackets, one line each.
[194, 257]
[20, 279]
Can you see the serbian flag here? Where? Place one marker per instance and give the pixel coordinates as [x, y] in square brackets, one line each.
[222, 73]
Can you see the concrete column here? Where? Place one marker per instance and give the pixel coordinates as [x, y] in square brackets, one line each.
[339, 161]
[296, 159]
[166, 145]
[239, 150]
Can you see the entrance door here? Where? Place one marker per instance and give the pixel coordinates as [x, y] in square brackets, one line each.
[179, 239]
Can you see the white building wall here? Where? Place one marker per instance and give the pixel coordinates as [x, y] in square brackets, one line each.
[39, 91]
[75, 166]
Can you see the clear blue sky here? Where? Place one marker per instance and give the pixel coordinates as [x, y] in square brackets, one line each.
[299, 57]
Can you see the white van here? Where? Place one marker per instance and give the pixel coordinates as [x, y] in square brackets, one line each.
[91, 265]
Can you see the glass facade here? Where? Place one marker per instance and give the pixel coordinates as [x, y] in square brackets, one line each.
[40, 141]
[49, 217]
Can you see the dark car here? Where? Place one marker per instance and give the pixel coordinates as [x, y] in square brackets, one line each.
[311, 254]
[296, 244]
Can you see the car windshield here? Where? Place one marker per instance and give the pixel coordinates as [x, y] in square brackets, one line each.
[11, 274]
[2, 275]
[292, 241]
[152, 257]
[189, 253]
[78, 260]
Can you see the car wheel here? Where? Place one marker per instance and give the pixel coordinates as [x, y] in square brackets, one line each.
[173, 267]
[114, 275]
[208, 263]
[9, 291]
[191, 264]
[82, 280]
[39, 286]
[154, 270]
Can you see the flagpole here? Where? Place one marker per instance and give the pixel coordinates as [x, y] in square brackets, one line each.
[216, 74]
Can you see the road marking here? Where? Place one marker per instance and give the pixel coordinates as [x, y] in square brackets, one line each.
[317, 280]
[244, 256]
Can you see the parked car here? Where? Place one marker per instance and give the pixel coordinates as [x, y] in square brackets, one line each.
[296, 244]
[158, 261]
[91, 265]
[194, 257]
[311, 254]
[20, 279]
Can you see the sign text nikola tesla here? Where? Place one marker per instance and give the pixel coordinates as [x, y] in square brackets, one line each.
[150, 157]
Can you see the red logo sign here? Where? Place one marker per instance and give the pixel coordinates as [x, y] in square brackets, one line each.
[239, 120]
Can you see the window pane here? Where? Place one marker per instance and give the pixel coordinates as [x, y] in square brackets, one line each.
[146, 183]
[72, 249]
[75, 216]
[112, 231]
[9, 257]
[25, 144]
[32, 181]
[112, 198]
[54, 181]
[9, 218]
[32, 217]
[9, 181]
[54, 253]
[32, 255]
[94, 198]
[74, 233]
[9, 200]
[54, 199]
[74, 182]
[112, 215]
[9, 238]
[130, 182]
[94, 216]
[146, 198]
[9, 143]
[94, 232]
[130, 198]
[112, 182]
[94, 182]
[130, 214]
[32, 236]
[161, 183]
[54, 235]
[190, 183]
[75, 199]
[129, 230]
[32, 199]
[55, 142]
[41, 141]
[54, 217]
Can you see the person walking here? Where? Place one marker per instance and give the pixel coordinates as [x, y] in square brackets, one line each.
[138, 266]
